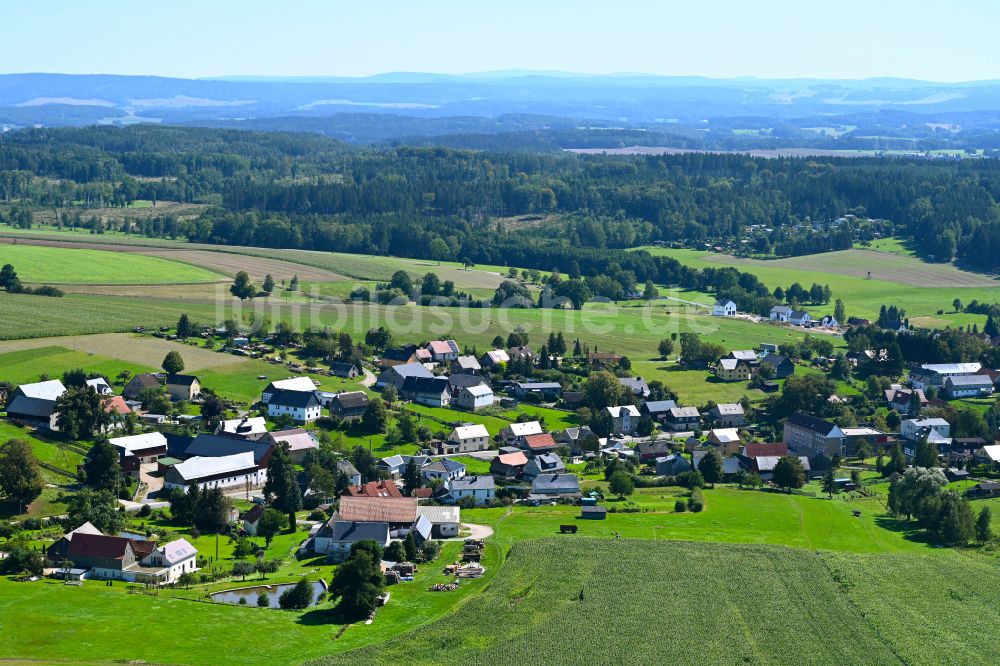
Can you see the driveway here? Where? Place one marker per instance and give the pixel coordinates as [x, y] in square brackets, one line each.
[369, 380]
[475, 532]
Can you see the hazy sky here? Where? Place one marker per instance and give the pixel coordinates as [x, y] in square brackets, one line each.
[945, 41]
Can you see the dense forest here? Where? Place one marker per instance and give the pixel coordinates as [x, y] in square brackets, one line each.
[537, 210]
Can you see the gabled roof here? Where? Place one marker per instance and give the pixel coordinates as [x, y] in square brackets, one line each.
[291, 384]
[410, 370]
[298, 439]
[969, 380]
[214, 446]
[297, 399]
[98, 382]
[402, 354]
[725, 435]
[616, 412]
[497, 356]
[443, 347]
[756, 449]
[481, 482]
[471, 431]
[434, 385]
[137, 443]
[253, 514]
[637, 385]
[774, 359]
[781, 308]
[462, 380]
[378, 509]
[723, 302]
[98, 545]
[248, 425]
[683, 412]
[518, 459]
[200, 467]
[50, 390]
[548, 482]
[467, 363]
[479, 390]
[146, 380]
[181, 380]
[729, 409]
[768, 463]
[538, 386]
[659, 406]
[445, 465]
[177, 550]
[115, 404]
[540, 441]
[952, 368]
[743, 354]
[341, 367]
[812, 423]
[525, 429]
[352, 399]
[440, 514]
[382, 488]
[730, 363]
[352, 532]
[347, 468]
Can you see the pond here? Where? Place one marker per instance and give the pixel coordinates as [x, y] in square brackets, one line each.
[135, 536]
[272, 591]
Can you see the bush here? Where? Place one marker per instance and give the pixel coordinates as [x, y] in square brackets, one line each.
[263, 601]
[145, 511]
[696, 502]
[680, 506]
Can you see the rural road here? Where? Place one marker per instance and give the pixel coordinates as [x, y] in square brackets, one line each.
[475, 532]
[369, 379]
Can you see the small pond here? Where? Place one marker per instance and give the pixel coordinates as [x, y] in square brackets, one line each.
[272, 591]
[135, 536]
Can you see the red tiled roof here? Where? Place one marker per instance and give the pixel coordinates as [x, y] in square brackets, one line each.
[374, 489]
[98, 545]
[378, 509]
[758, 449]
[542, 441]
[422, 493]
[513, 459]
[116, 404]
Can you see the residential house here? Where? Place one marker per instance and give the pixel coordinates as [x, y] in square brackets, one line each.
[732, 370]
[183, 387]
[474, 397]
[513, 434]
[173, 559]
[492, 360]
[465, 365]
[100, 385]
[728, 415]
[508, 465]
[248, 427]
[637, 385]
[119, 558]
[302, 406]
[730, 463]
[651, 450]
[811, 434]
[344, 370]
[657, 409]
[238, 470]
[445, 520]
[298, 440]
[350, 471]
[336, 537]
[481, 489]
[573, 438]
[139, 383]
[214, 446]
[349, 406]
[555, 485]
[117, 409]
[799, 318]
[395, 465]
[302, 384]
[399, 512]
[680, 419]
[603, 358]
[383, 488]
[752, 450]
[430, 391]
[988, 455]
[546, 390]
[968, 386]
[780, 313]
[780, 365]
[459, 382]
[727, 440]
[764, 466]
[467, 438]
[443, 351]
[854, 436]
[916, 429]
[829, 321]
[539, 444]
[522, 353]
[395, 376]
[251, 518]
[36, 403]
[724, 307]
[625, 418]
[401, 356]
[57, 552]
[672, 465]
[444, 469]
[546, 463]
[747, 356]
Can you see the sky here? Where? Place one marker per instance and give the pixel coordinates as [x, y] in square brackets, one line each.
[923, 39]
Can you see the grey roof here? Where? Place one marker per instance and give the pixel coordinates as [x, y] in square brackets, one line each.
[410, 370]
[774, 359]
[729, 409]
[538, 386]
[459, 381]
[969, 380]
[351, 532]
[352, 399]
[444, 465]
[342, 368]
[300, 399]
[637, 385]
[214, 446]
[347, 468]
[545, 483]
[467, 363]
[181, 380]
[659, 406]
[50, 390]
[423, 526]
[435, 385]
[482, 482]
[684, 412]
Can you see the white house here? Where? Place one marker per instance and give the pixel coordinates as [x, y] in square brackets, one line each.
[302, 406]
[724, 308]
[443, 351]
[914, 429]
[445, 469]
[514, 433]
[100, 384]
[799, 317]
[626, 418]
[475, 397]
[248, 427]
[238, 470]
[481, 489]
[780, 313]
[829, 321]
[173, 559]
[473, 437]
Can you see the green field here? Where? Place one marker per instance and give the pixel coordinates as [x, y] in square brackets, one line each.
[897, 279]
[634, 601]
[55, 265]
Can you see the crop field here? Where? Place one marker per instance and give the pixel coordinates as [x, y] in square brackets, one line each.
[696, 603]
[28, 365]
[921, 288]
[52, 265]
[230, 264]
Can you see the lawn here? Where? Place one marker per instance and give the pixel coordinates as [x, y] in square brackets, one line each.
[56, 265]
[638, 601]
[28, 365]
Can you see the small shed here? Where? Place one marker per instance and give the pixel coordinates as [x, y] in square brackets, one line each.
[593, 512]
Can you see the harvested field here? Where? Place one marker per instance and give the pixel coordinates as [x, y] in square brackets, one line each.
[137, 349]
[230, 264]
[666, 150]
[204, 293]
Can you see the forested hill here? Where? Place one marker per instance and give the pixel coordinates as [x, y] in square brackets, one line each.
[307, 191]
